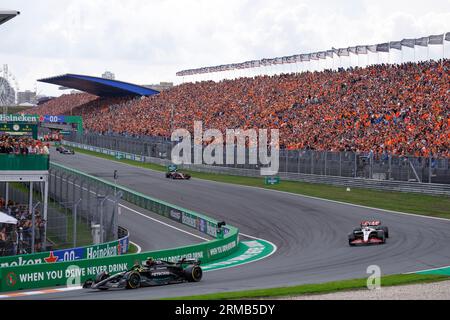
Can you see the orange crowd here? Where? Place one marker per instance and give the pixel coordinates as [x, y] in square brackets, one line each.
[400, 109]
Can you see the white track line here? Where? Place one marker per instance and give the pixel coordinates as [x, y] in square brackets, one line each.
[296, 194]
[163, 223]
[331, 201]
[434, 269]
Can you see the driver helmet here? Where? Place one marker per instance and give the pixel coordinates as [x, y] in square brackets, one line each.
[150, 261]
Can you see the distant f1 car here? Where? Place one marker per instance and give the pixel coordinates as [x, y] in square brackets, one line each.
[370, 232]
[158, 274]
[64, 150]
[175, 175]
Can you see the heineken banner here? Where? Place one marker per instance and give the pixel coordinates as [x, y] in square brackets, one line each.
[115, 248]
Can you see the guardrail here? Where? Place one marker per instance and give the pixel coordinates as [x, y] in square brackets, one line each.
[42, 275]
[384, 185]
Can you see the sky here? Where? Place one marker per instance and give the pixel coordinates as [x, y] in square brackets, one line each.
[148, 41]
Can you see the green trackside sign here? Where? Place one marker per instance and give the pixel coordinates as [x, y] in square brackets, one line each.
[172, 168]
[19, 129]
[270, 181]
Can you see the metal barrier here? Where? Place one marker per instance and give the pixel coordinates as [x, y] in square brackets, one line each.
[386, 185]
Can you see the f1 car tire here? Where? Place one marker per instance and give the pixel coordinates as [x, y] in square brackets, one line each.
[386, 231]
[134, 280]
[382, 236]
[194, 274]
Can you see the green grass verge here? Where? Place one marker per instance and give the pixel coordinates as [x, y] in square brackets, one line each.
[309, 289]
[132, 249]
[436, 206]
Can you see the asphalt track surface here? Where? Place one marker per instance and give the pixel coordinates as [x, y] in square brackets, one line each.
[311, 234]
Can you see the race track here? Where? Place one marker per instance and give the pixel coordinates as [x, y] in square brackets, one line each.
[311, 234]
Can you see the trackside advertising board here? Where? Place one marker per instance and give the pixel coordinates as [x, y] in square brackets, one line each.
[32, 276]
[76, 272]
[114, 248]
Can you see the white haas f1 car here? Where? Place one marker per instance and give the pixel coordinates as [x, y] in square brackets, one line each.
[370, 232]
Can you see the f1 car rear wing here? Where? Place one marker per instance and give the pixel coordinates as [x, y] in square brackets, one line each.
[374, 223]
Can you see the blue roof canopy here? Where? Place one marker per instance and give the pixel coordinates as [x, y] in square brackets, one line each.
[99, 86]
[7, 15]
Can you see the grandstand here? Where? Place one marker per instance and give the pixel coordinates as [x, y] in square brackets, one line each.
[396, 109]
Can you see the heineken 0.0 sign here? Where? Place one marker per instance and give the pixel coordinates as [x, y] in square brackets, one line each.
[272, 180]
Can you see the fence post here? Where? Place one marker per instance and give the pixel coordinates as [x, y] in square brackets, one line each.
[340, 164]
[430, 169]
[326, 160]
[356, 165]
[31, 211]
[312, 161]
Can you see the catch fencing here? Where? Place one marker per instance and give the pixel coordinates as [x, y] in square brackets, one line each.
[73, 273]
[333, 164]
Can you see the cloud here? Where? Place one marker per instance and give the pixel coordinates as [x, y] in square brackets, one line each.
[146, 41]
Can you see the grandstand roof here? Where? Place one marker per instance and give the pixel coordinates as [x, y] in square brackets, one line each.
[6, 15]
[99, 86]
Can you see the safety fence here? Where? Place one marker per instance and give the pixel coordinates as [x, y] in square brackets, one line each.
[384, 167]
[359, 182]
[29, 275]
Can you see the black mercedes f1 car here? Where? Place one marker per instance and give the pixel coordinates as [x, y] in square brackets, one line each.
[158, 274]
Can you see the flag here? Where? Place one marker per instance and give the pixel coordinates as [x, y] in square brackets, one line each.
[298, 58]
[353, 50]
[335, 51]
[423, 42]
[322, 55]
[278, 61]
[330, 54]
[447, 36]
[291, 59]
[285, 60]
[361, 49]
[397, 45]
[438, 39]
[410, 43]
[305, 57]
[372, 49]
[256, 63]
[383, 47]
[266, 62]
[314, 56]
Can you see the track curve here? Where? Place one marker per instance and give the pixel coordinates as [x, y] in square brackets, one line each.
[311, 234]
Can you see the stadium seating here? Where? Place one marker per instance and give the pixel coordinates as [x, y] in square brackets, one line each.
[399, 109]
